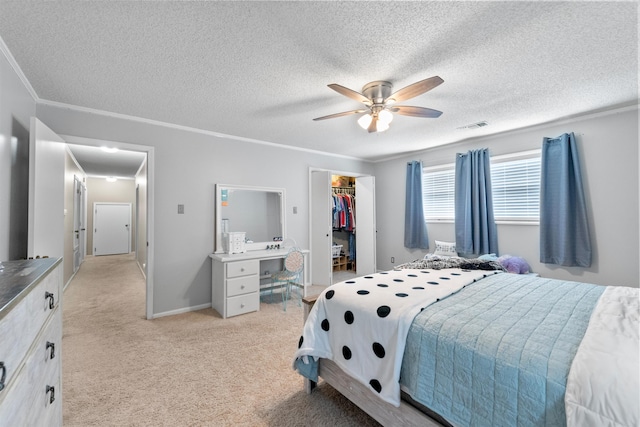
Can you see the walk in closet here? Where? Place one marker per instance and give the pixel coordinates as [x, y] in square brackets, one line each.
[343, 245]
[342, 225]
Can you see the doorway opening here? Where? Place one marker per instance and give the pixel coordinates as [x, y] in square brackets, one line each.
[342, 238]
[140, 223]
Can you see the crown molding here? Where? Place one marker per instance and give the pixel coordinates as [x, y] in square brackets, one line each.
[16, 68]
[189, 129]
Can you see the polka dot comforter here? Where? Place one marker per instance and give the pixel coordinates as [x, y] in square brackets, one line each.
[362, 324]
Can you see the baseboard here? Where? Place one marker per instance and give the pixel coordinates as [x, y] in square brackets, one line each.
[181, 310]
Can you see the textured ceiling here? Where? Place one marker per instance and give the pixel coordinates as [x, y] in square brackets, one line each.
[259, 70]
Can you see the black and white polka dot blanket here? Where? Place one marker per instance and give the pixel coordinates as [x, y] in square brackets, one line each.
[362, 324]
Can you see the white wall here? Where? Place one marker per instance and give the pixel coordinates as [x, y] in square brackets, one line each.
[187, 165]
[608, 149]
[16, 108]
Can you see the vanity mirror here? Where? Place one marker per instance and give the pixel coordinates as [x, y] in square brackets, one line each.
[257, 211]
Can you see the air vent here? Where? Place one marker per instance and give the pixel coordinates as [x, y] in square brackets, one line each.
[475, 125]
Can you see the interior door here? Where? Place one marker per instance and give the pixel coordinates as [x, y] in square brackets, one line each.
[46, 192]
[111, 228]
[321, 206]
[83, 221]
[365, 225]
[77, 213]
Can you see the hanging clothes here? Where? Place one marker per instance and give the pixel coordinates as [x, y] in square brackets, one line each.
[344, 216]
[344, 211]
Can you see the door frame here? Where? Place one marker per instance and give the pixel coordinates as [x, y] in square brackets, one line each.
[150, 151]
[342, 173]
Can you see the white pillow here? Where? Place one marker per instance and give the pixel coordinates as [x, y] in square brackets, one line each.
[445, 248]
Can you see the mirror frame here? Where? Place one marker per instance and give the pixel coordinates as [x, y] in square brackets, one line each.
[218, 226]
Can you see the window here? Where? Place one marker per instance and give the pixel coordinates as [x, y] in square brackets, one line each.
[438, 193]
[515, 183]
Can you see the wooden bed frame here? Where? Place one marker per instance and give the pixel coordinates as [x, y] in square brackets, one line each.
[385, 413]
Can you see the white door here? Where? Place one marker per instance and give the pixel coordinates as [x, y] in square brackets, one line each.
[77, 221]
[365, 225]
[46, 192]
[321, 206]
[111, 228]
[83, 222]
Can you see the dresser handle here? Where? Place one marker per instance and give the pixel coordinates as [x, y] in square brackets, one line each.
[3, 376]
[53, 349]
[49, 295]
[241, 286]
[241, 305]
[53, 393]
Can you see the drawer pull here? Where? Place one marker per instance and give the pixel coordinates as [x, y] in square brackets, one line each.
[242, 269]
[241, 286]
[49, 295]
[53, 349]
[53, 393]
[3, 376]
[241, 305]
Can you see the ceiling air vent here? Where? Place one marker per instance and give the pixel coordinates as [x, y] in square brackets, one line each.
[475, 125]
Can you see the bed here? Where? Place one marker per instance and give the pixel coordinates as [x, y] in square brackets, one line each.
[471, 344]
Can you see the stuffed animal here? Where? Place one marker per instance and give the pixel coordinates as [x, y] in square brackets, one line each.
[514, 264]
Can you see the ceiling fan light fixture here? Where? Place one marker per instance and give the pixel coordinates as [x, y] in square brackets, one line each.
[385, 116]
[365, 121]
[378, 97]
[381, 126]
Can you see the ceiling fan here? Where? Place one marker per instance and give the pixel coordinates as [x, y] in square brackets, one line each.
[380, 101]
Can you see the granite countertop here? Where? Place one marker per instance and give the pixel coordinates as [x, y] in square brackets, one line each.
[17, 277]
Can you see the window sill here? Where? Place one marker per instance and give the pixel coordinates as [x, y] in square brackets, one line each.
[506, 222]
[498, 222]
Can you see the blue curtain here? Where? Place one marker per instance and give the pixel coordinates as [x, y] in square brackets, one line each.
[476, 232]
[564, 230]
[415, 229]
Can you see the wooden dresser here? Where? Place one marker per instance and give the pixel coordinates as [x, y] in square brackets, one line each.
[30, 342]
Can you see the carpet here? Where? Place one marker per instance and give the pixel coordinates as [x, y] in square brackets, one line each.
[191, 369]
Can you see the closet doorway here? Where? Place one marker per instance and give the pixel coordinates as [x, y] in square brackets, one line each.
[357, 200]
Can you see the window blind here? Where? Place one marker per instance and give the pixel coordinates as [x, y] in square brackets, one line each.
[437, 194]
[516, 189]
[515, 182]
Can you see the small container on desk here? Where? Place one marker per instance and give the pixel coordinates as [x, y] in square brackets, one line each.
[233, 242]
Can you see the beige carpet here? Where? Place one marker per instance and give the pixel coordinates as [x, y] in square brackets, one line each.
[192, 369]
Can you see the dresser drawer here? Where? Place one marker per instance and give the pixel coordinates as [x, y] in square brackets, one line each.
[21, 325]
[243, 304]
[27, 400]
[43, 372]
[242, 268]
[242, 285]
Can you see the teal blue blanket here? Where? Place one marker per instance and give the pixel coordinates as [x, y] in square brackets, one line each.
[498, 353]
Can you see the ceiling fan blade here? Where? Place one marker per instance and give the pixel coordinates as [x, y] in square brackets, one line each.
[415, 89]
[406, 110]
[350, 93]
[346, 113]
[373, 125]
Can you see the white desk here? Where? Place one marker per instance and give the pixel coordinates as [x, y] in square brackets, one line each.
[237, 279]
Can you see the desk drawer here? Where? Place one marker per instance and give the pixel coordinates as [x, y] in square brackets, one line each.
[242, 285]
[242, 268]
[243, 304]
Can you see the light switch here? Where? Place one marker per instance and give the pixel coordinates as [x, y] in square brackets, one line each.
[180, 209]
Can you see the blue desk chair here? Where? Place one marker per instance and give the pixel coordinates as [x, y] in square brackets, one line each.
[290, 276]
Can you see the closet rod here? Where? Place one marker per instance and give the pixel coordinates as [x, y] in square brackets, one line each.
[343, 190]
